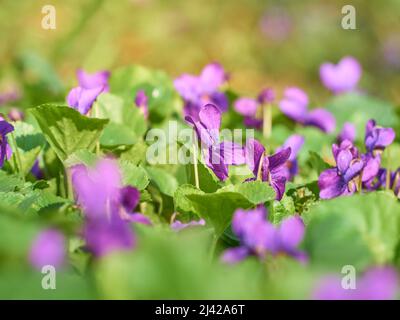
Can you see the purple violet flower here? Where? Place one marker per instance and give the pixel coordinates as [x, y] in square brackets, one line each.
[36, 171]
[377, 138]
[295, 106]
[295, 143]
[93, 80]
[378, 283]
[268, 168]
[342, 77]
[348, 133]
[217, 155]
[108, 207]
[48, 248]
[82, 99]
[260, 237]
[197, 91]
[341, 180]
[5, 149]
[16, 115]
[90, 87]
[251, 108]
[142, 103]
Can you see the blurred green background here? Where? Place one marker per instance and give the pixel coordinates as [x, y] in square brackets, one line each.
[262, 43]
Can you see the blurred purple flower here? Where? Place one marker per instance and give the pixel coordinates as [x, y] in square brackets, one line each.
[348, 133]
[341, 179]
[378, 283]
[295, 143]
[93, 80]
[107, 205]
[197, 91]
[342, 77]
[178, 225]
[90, 87]
[259, 237]
[295, 106]
[391, 51]
[141, 102]
[268, 168]
[48, 248]
[36, 171]
[251, 108]
[217, 155]
[11, 95]
[276, 24]
[5, 149]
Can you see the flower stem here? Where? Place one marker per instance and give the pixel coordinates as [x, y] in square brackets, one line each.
[196, 172]
[388, 170]
[17, 155]
[95, 115]
[267, 120]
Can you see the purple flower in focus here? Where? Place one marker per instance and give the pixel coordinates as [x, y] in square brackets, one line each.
[178, 225]
[218, 155]
[271, 169]
[341, 180]
[48, 248]
[5, 149]
[295, 143]
[342, 77]
[108, 207]
[197, 91]
[379, 283]
[93, 80]
[348, 133]
[141, 102]
[295, 106]
[251, 108]
[377, 138]
[259, 237]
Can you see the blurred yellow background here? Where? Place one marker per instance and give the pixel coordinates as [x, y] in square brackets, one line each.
[261, 43]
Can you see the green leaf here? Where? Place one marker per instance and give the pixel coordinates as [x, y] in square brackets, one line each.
[9, 182]
[358, 109]
[124, 114]
[133, 175]
[317, 163]
[164, 181]
[66, 130]
[81, 157]
[162, 98]
[360, 230]
[218, 207]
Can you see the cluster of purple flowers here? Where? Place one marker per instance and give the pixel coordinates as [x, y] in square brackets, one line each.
[275, 169]
[261, 238]
[197, 91]
[355, 171]
[108, 207]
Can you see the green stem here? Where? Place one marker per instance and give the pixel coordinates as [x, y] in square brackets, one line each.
[388, 170]
[213, 247]
[267, 120]
[196, 172]
[95, 115]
